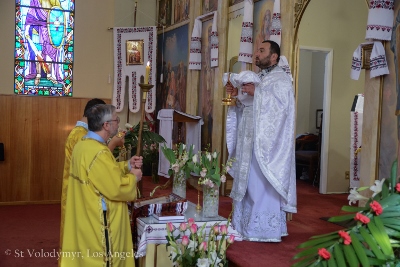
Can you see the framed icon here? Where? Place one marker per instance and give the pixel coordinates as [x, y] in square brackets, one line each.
[366, 51]
[134, 52]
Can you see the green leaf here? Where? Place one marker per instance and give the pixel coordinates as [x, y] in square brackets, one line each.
[314, 249]
[371, 243]
[341, 218]
[339, 256]
[306, 261]
[329, 234]
[350, 255]
[381, 238]
[315, 242]
[359, 249]
[392, 232]
[332, 262]
[354, 209]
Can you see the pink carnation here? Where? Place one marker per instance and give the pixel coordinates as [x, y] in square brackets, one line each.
[376, 207]
[362, 218]
[398, 187]
[324, 253]
[346, 237]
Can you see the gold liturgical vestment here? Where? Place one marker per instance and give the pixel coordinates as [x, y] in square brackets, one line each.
[95, 173]
[74, 136]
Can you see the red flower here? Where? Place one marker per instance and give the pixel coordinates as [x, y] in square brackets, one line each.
[346, 237]
[324, 253]
[398, 187]
[362, 218]
[376, 207]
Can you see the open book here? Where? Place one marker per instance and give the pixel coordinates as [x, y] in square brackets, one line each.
[169, 216]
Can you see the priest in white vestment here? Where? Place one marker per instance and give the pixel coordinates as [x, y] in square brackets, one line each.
[260, 135]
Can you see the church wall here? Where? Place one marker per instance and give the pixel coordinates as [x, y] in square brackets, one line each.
[34, 129]
[327, 24]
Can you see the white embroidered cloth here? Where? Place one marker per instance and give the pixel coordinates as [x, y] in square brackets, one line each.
[380, 19]
[214, 42]
[378, 63]
[276, 29]
[195, 43]
[133, 72]
[151, 231]
[246, 38]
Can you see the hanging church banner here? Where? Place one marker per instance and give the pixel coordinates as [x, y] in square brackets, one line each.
[44, 47]
[124, 40]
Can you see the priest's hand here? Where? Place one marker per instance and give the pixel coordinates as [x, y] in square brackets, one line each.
[248, 89]
[138, 173]
[136, 162]
[117, 140]
[230, 89]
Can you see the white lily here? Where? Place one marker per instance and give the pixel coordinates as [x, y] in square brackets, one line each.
[128, 126]
[377, 187]
[183, 146]
[203, 172]
[208, 155]
[214, 260]
[215, 155]
[223, 178]
[175, 167]
[355, 196]
[202, 262]
[194, 158]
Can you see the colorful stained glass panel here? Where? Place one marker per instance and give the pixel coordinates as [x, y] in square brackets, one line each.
[44, 47]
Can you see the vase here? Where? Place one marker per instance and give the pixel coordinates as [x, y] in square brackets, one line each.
[179, 184]
[210, 201]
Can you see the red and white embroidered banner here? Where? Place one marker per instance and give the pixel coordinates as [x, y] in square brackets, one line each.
[246, 38]
[276, 31]
[356, 121]
[380, 20]
[195, 43]
[123, 68]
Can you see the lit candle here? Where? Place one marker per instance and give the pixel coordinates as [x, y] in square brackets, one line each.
[146, 77]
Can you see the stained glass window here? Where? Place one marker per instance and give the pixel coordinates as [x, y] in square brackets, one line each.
[44, 47]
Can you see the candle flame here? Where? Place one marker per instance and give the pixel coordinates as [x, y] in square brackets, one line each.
[148, 63]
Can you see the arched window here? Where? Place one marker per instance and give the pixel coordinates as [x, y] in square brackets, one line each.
[44, 47]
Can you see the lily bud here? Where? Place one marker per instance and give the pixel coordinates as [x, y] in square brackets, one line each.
[230, 239]
[182, 227]
[193, 228]
[190, 221]
[185, 240]
[203, 246]
[223, 229]
[170, 227]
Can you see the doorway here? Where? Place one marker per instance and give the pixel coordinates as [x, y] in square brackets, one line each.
[314, 93]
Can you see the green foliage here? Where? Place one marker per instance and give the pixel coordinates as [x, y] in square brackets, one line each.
[373, 243]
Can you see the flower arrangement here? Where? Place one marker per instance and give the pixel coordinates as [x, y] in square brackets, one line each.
[372, 240]
[206, 165]
[193, 247]
[179, 158]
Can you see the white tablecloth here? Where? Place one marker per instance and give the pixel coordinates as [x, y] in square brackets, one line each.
[151, 231]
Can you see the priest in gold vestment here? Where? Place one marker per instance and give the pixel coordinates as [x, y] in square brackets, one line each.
[79, 131]
[97, 228]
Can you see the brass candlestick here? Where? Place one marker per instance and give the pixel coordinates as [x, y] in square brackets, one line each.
[198, 207]
[145, 88]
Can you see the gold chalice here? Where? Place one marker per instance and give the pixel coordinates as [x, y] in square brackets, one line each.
[229, 101]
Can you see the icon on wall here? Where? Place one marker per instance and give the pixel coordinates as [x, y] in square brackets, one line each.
[134, 52]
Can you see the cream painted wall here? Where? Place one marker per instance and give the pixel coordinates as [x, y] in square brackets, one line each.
[327, 24]
[303, 99]
[93, 65]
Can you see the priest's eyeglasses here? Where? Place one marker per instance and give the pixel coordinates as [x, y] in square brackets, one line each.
[117, 120]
